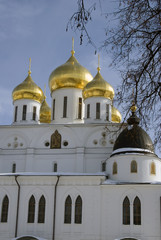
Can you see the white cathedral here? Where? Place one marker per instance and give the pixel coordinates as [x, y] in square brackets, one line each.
[75, 172]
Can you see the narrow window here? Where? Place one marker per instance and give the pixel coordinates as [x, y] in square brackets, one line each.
[80, 109]
[114, 168]
[126, 211]
[34, 113]
[133, 166]
[24, 112]
[78, 210]
[107, 112]
[137, 211]
[103, 166]
[41, 210]
[97, 110]
[152, 168]
[68, 210]
[13, 167]
[4, 211]
[53, 109]
[15, 118]
[88, 110]
[31, 210]
[55, 167]
[65, 108]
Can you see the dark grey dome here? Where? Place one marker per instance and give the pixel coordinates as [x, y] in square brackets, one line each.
[133, 138]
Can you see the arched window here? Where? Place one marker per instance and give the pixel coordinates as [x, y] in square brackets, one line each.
[41, 211]
[137, 211]
[65, 107]
[88, 110]
[31, 210]
[114, 168]
[55, 167]
[55, 141]
[53, 109]
[4, 211]
[97, 110]
[80, 108]
[133, 166]
[78, 210]
[34, 113]
[152, 168]
[13, 167]
[103, 166]
[126, 211]
[24, 112]
[15, 117]
[68, 210]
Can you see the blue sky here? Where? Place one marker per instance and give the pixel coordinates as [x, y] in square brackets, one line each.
[37, 29]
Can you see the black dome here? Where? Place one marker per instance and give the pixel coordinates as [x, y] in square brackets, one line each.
[133, 138]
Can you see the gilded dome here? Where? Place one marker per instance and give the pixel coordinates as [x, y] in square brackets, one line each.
[28, 90]
[98, 87]
[69, 75]
[45, 112]
[115, 115]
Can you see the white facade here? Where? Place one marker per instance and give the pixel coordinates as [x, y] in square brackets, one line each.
[63, 181]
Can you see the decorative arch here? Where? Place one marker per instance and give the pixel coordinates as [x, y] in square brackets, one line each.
[55, 141]
[137, 211]
[78, 210]
[126, 211]
[4, 209]
[68, 210]
[31, 210]
[133, 166]
[41, 210]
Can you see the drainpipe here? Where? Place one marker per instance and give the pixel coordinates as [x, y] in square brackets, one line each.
[54, 215]
[18, 200]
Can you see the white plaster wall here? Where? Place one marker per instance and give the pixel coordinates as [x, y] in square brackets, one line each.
[143, 168]
[30, 104]
[102, 208]
[73, 95]
[103, 102]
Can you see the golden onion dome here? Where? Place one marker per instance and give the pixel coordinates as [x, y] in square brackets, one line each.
[28, 90]
[115, 115]
[45, 112]
[98, 87]
[69, 75]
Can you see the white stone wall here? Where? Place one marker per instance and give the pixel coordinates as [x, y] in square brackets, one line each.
[73, 95]
[143, 173]
[29, 114]
[103, 102]
[102, 208]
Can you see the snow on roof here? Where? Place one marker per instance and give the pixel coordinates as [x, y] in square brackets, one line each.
[52, 174]
[113, 182]
[28, 236]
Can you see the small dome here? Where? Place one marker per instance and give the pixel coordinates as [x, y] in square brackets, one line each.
[133, 138]
[98, 87]
[115, 115]
[28, 90]
[69, 75]
[45, 112]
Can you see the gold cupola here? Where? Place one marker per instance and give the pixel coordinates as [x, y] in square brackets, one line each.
[98, 87]
[28, 89]
[69, 75]
[115, 115]
[45, 112]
